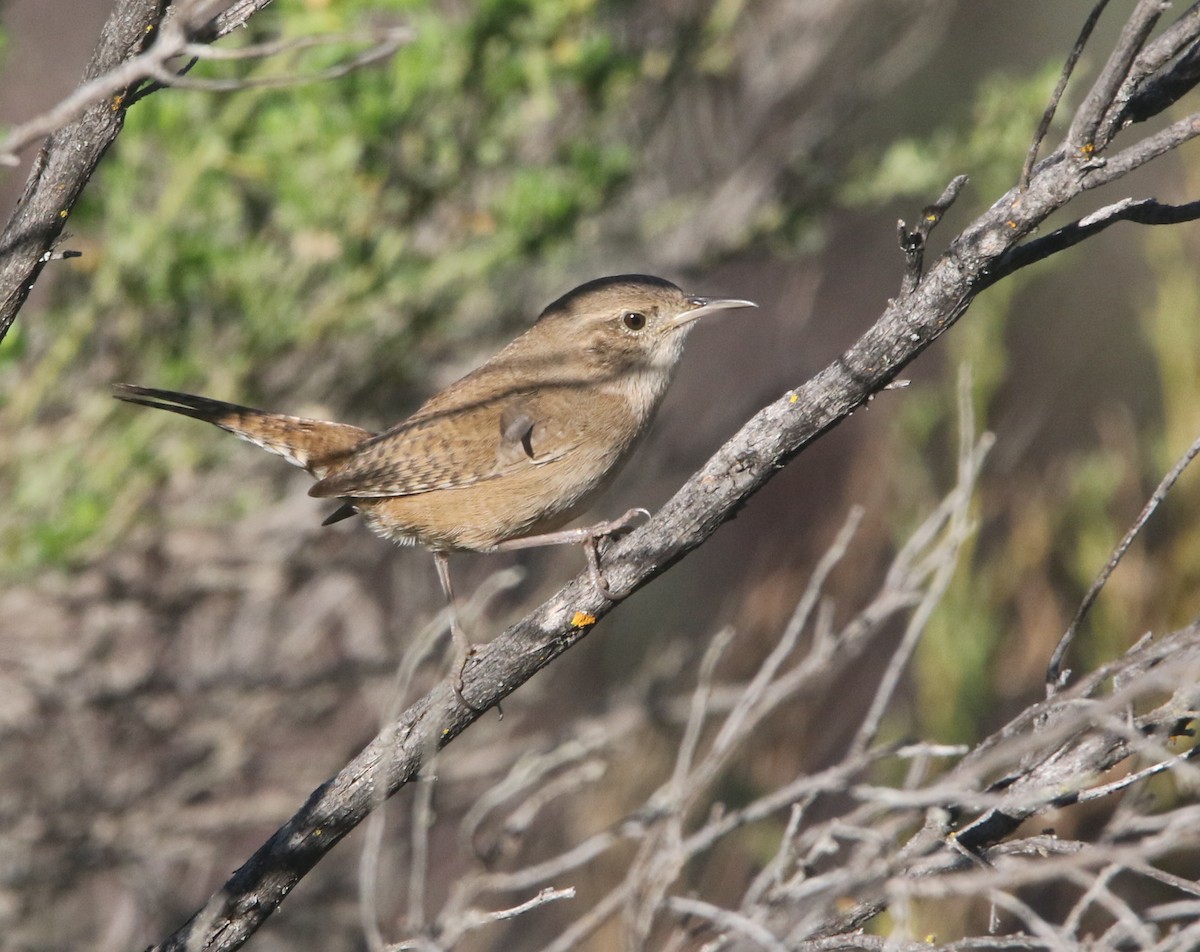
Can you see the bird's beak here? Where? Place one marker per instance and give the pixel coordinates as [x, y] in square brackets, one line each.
[702, 306]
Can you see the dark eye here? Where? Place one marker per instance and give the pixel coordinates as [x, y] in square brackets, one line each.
[634, 320]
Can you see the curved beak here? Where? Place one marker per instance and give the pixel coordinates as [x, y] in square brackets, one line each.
[702, 306]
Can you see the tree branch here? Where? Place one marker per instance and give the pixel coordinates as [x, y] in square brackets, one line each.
[69, 158]
[1060, 87]
[136, 44]
[1145, 211]
[1101, 105]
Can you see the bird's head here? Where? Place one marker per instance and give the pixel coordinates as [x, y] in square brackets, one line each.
[628, 321]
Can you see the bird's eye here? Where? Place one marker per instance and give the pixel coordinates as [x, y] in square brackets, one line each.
[634, 320]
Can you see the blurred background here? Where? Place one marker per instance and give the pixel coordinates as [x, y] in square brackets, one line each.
[185, 653]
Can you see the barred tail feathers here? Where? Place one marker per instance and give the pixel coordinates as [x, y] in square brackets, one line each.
[314, 445]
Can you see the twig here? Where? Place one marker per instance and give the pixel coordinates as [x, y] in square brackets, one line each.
[752, 695]
[944, 562]
[913, 242]
[574, 935]
[548, 895]
[1149, 148]
[1143, 93]
[729, 920]
[386, 41]
[527, 771]
[1054, 938]
[474, 919]
[137, 42]
[1097, 891]
[1108, 789]
[1084, 138]
[678, 786]
[1055, 675]
[1056, 96]
[172, 41]
[169, 40]
[1145, 211]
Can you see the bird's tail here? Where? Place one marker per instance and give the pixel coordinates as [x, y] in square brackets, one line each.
[313, 444]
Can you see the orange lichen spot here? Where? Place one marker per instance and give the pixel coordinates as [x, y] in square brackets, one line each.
[582, 620]
[1088, 148]
[117, 101]
[1011, 224]
[793, 397]
[63, 213]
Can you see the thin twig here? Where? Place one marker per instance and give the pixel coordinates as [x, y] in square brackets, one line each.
[913, 242]
[386, 43]
[1108, 789]
[729, 920]
[1098, 891]
[1055, 675]
[547, 895]
[172, 42]
[1084, 137]
[752, 696]
[1151, 147]
[958, 529]
[1056, 96]
[574, 935]
[1145, 211]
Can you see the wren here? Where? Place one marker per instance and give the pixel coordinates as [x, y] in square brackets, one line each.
[506, 456]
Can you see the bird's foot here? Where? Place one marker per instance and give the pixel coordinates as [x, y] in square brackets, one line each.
[611, 529]
[464, 651]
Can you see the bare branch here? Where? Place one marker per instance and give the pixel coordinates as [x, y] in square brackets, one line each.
[728, 920]
[1060, 88]
[169, 35]
[1145, 94]
[958, 528]
[383, 44]
[1145, 211]
[137, 43]
[1085, 136]
[476, 919]
[913, 242]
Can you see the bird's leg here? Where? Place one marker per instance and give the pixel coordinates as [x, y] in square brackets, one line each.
[463, 648]
[587, 536]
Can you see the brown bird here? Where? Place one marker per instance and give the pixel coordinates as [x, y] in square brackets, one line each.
[512, 451]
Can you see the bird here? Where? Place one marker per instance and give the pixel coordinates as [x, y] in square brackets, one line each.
[511, 452]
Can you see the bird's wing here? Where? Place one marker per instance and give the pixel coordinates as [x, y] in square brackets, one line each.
[455, 448]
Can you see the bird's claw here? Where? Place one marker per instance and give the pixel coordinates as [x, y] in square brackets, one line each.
[610, 530]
